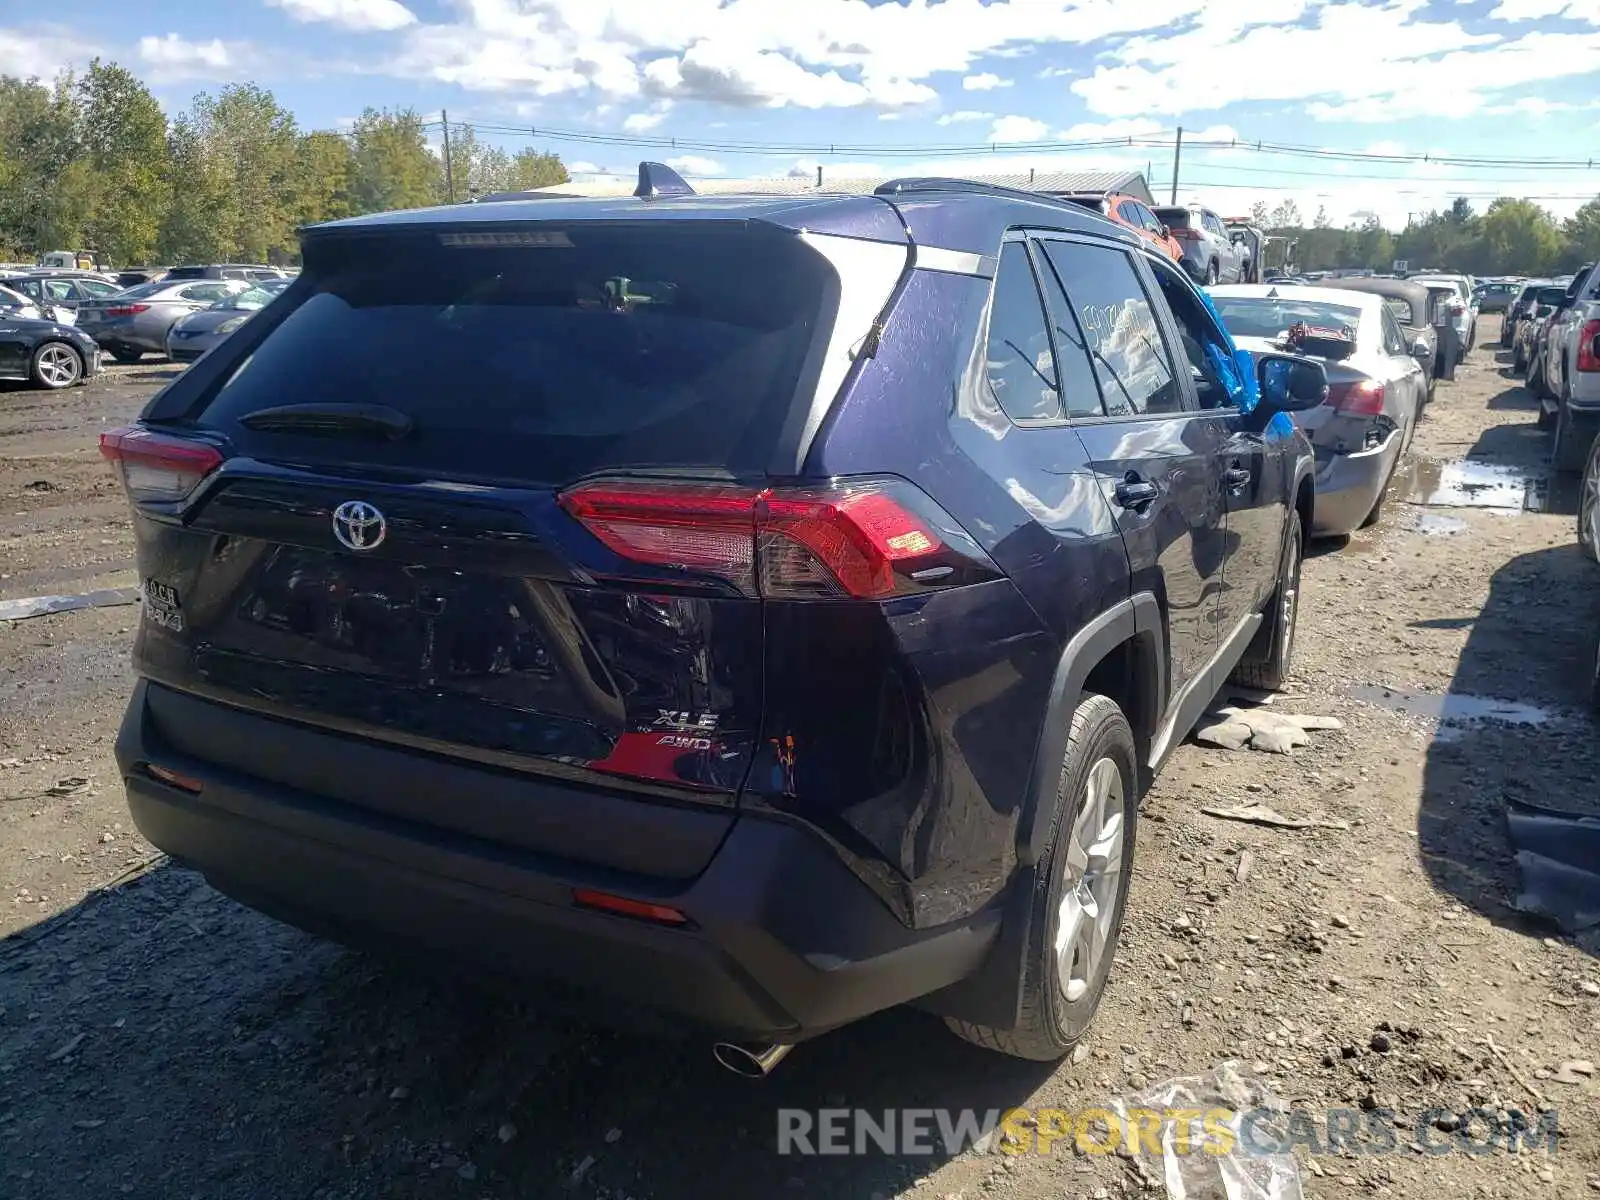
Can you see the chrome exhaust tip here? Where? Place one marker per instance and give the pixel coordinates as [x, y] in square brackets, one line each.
[752, 1062]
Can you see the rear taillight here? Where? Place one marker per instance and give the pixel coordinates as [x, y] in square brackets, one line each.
[1363, 398]
[1589, 347]
[156, 467]
[126, 310]
[857, 539]
[1457, 308]
[1185, 235]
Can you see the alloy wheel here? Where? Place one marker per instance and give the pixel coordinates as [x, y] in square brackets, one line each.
[1087, 913]
[59, 366]
[1589, 505]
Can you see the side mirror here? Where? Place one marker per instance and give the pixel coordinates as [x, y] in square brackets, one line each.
[1420, 349]
[1290, 383]
[1165, 232]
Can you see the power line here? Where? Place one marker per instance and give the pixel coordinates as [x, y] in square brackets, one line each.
[1163, 139]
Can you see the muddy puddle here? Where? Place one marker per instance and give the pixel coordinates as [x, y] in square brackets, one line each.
[1451, 710]
[1439, 525]
[1502, 488]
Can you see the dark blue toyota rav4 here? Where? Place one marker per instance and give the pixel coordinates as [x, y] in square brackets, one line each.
[767, 608]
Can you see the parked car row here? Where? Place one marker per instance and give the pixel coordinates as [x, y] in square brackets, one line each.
[181, 315]
[1562, 361]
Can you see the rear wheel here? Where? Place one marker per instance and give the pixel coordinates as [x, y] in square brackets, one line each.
[1266, 664]
[1212, 274]
[1076, 912]
[1572, 443]
[56, 365]
[1589, 504]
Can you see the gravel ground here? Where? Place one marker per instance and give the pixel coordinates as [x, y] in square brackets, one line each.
[158, 1040]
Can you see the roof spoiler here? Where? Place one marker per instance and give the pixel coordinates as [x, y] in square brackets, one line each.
[658, 179]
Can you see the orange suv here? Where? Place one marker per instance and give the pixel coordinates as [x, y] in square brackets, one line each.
[1132, 212]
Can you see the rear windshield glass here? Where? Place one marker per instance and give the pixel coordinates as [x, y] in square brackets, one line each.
[187, 273]
[602, 349]
[1174, 218]
[1263, 317]
[142, 289]
[1550, 295]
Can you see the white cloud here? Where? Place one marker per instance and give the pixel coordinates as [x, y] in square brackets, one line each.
[961, 116]
[173, 58]
[1018, 129]
[829, 53]
[1353, 62]
[1539, 10]
[1130, 127]
[362, 16]
[985, 82]
[693, 164]
[41, 54]
[643, 122]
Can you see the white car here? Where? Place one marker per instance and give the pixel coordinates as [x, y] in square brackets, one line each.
[1463, 309]
[1376, 390]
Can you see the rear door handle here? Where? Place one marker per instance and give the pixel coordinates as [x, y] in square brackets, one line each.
[1236, 478]
[1135, 492]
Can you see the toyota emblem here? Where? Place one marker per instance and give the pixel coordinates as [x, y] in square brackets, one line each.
[359, 526]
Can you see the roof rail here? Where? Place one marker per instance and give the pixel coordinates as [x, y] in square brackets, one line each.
[658, 179]
[939, 183]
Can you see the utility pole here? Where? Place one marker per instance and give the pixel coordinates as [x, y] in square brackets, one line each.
[449, 167]
[1177, 159]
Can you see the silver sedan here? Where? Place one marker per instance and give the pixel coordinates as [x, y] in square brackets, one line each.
[133, 322]
[1376, 387]
[193, 335]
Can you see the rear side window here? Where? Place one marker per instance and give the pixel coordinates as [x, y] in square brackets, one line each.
[593, 348]
[1080, 394]
[93, 288]
[207, 292]
[1021, 370]
[1119, 328]
[1400, 309]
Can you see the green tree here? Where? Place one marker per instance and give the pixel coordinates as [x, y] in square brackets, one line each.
[1582, 232]
[250, 140]
[1260, 216]
[43, 201]
[1520, 236]
[392, 166]
[199, 214]
[323, 175]
[534, 169]
[123, 145]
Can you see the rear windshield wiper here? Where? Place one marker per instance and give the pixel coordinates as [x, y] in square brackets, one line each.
[331, 420]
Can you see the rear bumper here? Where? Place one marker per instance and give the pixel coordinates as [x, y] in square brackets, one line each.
[783, 941]
[1349, 485]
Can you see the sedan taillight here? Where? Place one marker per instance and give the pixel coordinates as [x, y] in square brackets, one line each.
[126, 310]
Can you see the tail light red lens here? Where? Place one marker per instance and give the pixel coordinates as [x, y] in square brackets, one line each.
[155, 467]
[126, 310]
[663, 914]
[1589, 347]
[1362, 398]
[861, 539]
[1185, 235]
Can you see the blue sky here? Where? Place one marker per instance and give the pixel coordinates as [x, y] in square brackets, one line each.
[1001, 85]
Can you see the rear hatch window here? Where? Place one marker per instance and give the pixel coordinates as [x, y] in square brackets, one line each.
[542, 354]
[1175, 218]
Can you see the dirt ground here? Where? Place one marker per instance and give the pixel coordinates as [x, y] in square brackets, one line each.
[157, 1040]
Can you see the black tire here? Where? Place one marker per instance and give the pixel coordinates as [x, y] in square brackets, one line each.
[1266, 664]
[1570, 450]
[1594, 684]
[56, 365]
[1535, 383]
[1589, 501]
[1472, 338]
[1519, 363]
[1049, 1024]
[126, 354]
